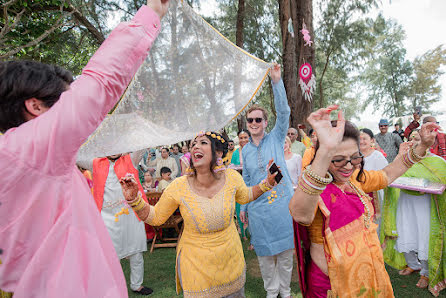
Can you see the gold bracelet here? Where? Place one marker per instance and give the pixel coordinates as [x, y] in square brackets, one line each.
[415, 156]
[263, 186]
[308, 189]
[327, 180]
[140, 206]
[136, 201]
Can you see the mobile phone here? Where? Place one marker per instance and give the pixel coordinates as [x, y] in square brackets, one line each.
[301, 126]
[272, 169]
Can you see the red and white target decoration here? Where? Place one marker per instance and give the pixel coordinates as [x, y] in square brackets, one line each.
[307, 81]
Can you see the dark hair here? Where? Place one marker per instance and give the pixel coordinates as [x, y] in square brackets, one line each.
[22, 80]
[310, 132]
[165, 170]
[176, 145]
[350, 132]
[367, 131]
[165, 148]
[216, 145]
[230, 141]
[244, 131]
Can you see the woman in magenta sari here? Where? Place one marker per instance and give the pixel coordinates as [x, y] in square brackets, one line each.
[338, 250]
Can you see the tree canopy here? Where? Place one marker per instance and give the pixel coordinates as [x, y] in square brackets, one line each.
[356, 57]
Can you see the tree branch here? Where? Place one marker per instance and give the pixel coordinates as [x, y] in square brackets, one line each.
[35, 41]
[78, 16]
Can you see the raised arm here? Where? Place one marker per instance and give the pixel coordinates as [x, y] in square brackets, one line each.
[79, 111]
[281, 105]
[303, 203]
[412, 125]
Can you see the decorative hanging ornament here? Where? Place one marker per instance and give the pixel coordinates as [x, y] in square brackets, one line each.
[140, 96]
[307, 81]
[290, 27]
[306, 34]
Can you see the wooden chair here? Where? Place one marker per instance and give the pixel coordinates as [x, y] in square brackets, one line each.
[172, 222]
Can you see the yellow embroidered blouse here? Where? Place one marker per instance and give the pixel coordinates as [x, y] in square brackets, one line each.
[209, 254]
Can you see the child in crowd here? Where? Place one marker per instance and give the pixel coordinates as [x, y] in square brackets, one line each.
[165, 178]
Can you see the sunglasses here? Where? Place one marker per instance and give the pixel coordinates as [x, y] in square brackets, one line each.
[251, 120]
[355, 160]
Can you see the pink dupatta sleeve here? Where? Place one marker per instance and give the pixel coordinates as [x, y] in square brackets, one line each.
[55, 137]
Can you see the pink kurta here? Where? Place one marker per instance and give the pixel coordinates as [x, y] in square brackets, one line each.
[54, 241]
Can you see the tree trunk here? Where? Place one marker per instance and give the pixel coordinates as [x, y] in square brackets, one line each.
[295, 54]
[241, 121]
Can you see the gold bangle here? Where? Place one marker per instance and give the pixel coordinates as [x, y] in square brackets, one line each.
[263, 186]
[312, 182]
[308, 189]
[140, 206]
[415, 156]
[135, 203]
[323, 180]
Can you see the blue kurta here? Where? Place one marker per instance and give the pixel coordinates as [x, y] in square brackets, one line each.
[270, 224]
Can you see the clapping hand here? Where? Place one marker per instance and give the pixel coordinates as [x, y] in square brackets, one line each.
[129, 187]
[329, 137]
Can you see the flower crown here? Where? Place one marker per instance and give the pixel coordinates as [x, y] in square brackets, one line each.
[212, 135]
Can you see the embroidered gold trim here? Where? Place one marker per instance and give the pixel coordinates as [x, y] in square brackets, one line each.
[221, 290]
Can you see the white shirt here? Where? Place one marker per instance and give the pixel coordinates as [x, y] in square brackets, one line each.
[375, 161]
[294, 166]
[128, 234]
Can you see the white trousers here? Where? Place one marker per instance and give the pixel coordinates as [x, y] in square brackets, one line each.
[136, 270]
[413, 262]
[276, 273]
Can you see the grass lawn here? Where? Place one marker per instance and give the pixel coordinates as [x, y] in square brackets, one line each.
[159, 274]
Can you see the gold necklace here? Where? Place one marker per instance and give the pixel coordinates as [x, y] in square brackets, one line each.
[362, 197]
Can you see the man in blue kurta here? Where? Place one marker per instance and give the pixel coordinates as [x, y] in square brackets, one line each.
[270, 221]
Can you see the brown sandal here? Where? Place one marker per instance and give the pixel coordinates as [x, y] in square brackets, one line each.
[423, 282]
[407, 271]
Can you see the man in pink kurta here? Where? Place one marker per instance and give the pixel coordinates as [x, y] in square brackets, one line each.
[53, 241]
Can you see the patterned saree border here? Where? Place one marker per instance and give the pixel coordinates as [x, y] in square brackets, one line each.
[435, 290]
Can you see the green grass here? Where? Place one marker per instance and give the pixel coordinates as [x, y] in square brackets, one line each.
[159, 274]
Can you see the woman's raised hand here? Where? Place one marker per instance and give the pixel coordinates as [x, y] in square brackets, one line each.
[428, 133]
[129, 187]
[328, 137]
[159, 6]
